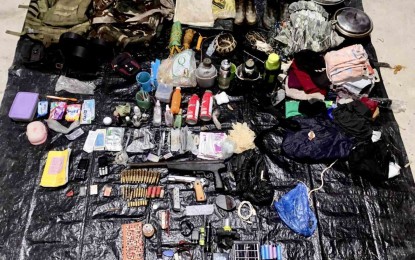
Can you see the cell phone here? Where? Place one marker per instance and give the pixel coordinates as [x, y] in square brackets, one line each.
[82, 169]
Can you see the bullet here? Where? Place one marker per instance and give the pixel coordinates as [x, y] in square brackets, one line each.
[162, 192]
[149, 191]
[158, 177]
[153, 177]
[153, 192]
[158, 190]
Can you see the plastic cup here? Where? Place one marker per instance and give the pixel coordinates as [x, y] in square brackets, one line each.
[143, 99]
[144, 80]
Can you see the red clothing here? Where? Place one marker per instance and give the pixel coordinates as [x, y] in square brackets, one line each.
[371, 104]
[304, 80]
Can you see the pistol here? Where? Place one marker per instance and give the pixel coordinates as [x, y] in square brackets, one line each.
[195, 166]
[196, 183]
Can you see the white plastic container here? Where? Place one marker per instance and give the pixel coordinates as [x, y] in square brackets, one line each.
[164, 93]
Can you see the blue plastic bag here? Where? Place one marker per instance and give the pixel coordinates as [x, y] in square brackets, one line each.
[295, 211]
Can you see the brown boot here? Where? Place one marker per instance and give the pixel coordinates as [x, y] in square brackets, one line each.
[240, 12]
[270, 11]
[250, 12]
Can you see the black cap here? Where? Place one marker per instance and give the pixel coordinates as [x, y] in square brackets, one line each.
[207, 62]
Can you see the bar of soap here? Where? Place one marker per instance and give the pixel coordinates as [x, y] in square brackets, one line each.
[36, 133]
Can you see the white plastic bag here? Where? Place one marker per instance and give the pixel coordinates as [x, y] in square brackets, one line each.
[194, 12]
[74, 86]
[183, 69]
[179, 70]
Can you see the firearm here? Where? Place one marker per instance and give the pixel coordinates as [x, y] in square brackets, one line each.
[197, 184]
[201, 166]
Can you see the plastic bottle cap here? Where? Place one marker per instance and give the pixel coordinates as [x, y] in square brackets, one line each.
[207, 62]
[250, 63]
[178, 88]
[107, 120]
[273, 58]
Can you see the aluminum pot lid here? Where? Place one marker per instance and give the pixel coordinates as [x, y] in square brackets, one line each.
[353, 21]
[328, 2]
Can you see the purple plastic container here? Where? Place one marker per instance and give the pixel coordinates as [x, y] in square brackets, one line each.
[24, 106]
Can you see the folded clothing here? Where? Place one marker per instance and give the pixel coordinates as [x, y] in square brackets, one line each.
[308, 28]
[370, 103]
[300, 94]
[347, 64]
[299, 79]
[311, 107]
[358, 86]
[355, 119]
[313, 63]
[317, 140]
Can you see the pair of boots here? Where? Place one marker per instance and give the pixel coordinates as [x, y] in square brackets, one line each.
[245, 9]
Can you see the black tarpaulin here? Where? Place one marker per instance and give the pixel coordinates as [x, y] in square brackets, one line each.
[356, 219]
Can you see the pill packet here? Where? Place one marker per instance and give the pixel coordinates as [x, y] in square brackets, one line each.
[57, 110]
[73, 112]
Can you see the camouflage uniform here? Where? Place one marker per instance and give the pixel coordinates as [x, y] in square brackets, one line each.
[47, 19]
[308, 28]
[130, 21]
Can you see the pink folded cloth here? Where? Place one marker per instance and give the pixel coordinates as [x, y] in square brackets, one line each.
[347, 64]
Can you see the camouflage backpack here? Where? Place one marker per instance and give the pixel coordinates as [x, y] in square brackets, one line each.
[46, 20]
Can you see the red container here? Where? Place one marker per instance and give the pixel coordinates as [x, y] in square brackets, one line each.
[207, 106]
[193, 110]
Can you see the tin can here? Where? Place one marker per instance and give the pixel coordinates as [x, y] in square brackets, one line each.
[207, 105]
[193, 110]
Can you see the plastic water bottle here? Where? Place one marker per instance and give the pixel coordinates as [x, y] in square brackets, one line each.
[157, 114]
[176, 101]
[168, 116]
